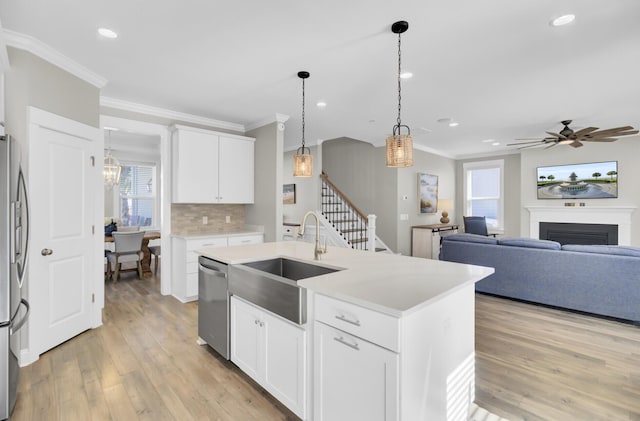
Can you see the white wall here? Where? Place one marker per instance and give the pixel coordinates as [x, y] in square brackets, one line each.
[626, 151]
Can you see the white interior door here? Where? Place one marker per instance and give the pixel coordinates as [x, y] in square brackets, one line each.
[62, 174]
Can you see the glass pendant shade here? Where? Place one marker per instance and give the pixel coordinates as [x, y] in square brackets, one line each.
[399, 151]
[303, 163]
[112, 170]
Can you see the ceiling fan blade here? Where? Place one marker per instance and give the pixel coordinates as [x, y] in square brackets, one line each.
[524, 143]
[609, 132]
[585, 131]
[601, 139]
[531, 146]
[558, 135]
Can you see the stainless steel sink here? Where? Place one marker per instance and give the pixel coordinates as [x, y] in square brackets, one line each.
[290, 269]
[272, 285]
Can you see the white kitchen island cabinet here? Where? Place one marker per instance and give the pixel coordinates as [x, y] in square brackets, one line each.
[393, 336]
[270, 350]
[211, 167]
[353, 378]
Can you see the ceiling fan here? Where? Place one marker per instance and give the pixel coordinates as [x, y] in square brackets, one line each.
[567, 136]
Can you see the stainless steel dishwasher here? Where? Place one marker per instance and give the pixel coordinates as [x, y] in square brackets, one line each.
[213, 305]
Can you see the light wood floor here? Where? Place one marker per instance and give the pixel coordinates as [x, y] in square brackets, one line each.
[532, 363]
[536, 363]
[142, 364]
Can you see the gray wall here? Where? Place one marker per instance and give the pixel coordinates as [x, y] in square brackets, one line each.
[307, 188]
[408, 203]
[31, 81]
[359, 170]
[269, 155]
[512, 204]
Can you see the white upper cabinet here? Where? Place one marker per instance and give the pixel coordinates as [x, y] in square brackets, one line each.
[211, 167]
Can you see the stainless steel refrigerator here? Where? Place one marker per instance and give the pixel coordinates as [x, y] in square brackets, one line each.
[14, 235]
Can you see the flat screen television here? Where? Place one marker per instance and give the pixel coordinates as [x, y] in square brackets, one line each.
[595, 180]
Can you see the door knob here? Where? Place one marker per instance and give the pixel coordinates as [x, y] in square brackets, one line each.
[46, 252]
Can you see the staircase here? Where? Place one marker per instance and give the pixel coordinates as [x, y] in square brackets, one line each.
[354, 227]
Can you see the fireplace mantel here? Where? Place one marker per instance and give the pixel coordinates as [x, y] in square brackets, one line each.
[620, 215]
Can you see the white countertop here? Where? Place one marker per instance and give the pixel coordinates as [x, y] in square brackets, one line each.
[392, 284]
[217, 234]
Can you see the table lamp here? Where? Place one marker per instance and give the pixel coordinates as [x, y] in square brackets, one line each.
[444, 205]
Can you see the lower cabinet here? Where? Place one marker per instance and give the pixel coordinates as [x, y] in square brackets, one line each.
[353, 378]
[271, 351]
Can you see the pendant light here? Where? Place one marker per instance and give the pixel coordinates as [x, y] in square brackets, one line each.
[303, 162]
[399, 146]
[112, 168]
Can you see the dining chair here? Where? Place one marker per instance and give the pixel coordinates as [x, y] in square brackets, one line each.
[128, 229]
[128, 248]
[155, 252]
[475, 225]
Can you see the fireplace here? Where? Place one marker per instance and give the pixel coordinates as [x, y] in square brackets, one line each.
[590, 214]
[572, 233]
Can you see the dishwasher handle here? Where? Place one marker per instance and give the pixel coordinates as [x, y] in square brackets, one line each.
[213, 268]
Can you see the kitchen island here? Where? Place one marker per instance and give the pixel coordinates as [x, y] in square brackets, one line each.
[386, 337]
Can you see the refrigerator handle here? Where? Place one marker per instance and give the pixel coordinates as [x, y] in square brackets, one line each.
[16, 327]
[22, 264]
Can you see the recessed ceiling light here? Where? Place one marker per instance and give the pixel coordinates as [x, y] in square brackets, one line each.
[445, 120]
[321, 104]
[107, 33]
[488, 141]
[563, 20]
[406, 75]
[424, 129]
[453, 124]
[496, 143]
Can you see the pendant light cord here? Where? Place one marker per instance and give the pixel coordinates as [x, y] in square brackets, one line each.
[399, 83]
[303, 116]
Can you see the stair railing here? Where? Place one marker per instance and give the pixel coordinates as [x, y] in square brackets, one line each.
[352, 224]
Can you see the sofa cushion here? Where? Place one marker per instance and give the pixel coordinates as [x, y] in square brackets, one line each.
[530, 243]
[604, 249]
[471, 238]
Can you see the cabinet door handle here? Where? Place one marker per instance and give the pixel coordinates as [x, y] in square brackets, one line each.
[344, 319]
[343, 342]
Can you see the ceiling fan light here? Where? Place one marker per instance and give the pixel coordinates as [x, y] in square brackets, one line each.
[399, 151]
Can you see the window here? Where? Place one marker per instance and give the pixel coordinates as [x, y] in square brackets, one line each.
[483, 191]
[137, 195]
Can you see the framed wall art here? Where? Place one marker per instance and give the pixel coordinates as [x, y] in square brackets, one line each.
[288, 194]
[427, 193]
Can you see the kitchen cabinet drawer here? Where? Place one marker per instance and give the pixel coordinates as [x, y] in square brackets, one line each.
[245, 239]
[378, 328]
[203, 243]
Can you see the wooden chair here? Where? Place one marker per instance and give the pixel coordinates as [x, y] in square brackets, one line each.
[128, 248]
[155, 252]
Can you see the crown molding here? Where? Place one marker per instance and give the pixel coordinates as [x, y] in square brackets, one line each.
[4, 55]
[165, 113]
[277, 118]
[45, 52]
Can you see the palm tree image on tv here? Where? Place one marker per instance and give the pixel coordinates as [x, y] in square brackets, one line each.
[578, 181]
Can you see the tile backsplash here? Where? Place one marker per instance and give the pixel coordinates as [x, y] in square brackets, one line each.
[186, 219]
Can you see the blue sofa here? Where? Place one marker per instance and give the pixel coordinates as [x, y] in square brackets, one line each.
[602, 280]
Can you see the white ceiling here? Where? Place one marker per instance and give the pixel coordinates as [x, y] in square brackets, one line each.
[495, 66]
